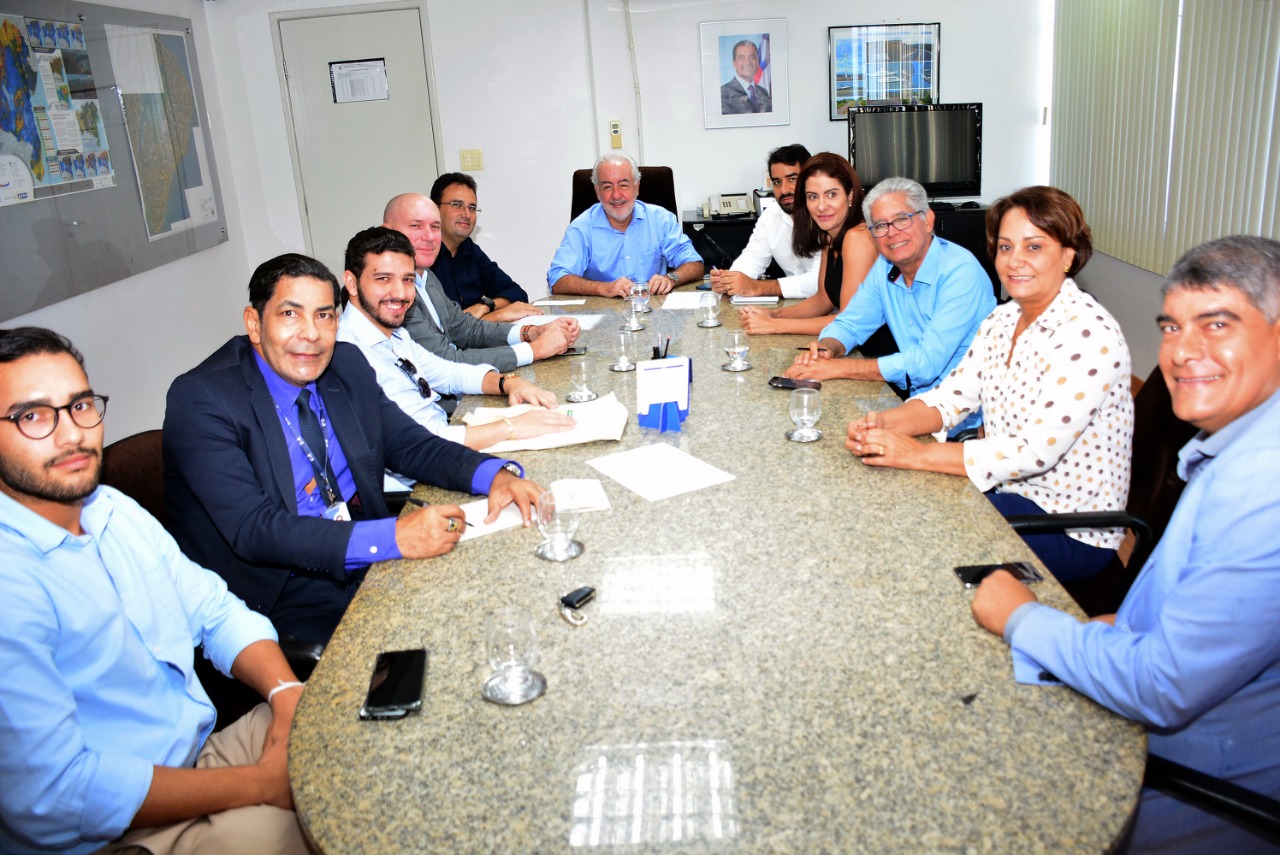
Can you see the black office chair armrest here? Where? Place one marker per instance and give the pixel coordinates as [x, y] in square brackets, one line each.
[1258, 812]
[1052, 523]
[302, 656]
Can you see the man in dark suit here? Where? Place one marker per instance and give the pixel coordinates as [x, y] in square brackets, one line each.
[275, 448]
[742, 94]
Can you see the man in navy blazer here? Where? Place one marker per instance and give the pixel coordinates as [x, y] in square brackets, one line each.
[275, 448]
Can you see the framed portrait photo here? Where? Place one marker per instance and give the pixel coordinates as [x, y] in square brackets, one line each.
[882, 64]
[744, 73]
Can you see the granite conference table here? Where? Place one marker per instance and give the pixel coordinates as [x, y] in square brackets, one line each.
[781, 663]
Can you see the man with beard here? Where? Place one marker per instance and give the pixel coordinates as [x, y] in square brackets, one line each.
[771, 240]
[379, 280]
[620, 241]
[275, 448]
[105, 730]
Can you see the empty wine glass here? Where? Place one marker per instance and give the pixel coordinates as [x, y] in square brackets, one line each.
[736, 346]
[710, 305]
[511, 646]
[558, 524]
[580, 373]
[623, 350]
[631, 314]
[640, 290]
[806, 409]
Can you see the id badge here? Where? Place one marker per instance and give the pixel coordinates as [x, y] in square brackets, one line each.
[338, 511]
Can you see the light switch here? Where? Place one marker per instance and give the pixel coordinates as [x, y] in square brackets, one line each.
[472, 159]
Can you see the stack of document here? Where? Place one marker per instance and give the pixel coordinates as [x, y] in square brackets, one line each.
[602, 419]
[739, 300]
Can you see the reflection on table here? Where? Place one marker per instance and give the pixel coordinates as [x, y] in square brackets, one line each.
[781, 663]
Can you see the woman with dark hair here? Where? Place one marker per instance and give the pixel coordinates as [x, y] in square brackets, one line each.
[1050, 370]
[829, 219]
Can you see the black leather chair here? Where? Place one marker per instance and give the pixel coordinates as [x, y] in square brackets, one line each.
[135, 466]
[1154, 488]
[657, 187]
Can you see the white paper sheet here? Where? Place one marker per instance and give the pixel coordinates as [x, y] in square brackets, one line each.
[605, 418]
[581, 302]
[584, 321]
[662, 380]
[659, 471]
[753, 301]
[683, 300]
[508, 517]
[583, 494]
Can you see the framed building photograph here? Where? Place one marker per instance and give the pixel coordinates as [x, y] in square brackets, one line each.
[744, 73]
[882, 64]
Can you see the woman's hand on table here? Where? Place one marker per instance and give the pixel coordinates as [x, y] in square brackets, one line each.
[757, 321]
[998, 596]
[539, 422]
[878, 446]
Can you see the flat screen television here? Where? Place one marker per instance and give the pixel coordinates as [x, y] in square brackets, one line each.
[939, 145]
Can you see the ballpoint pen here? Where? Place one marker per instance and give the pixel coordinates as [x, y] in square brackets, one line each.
[414, 500]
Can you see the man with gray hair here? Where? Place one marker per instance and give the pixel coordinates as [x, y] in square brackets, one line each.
[621, 241]
[932, 293]
[1194, 651]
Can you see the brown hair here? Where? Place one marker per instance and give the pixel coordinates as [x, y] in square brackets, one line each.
[806, 237]
[1050, 209]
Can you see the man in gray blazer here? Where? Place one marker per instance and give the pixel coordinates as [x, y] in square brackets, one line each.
[439, 324]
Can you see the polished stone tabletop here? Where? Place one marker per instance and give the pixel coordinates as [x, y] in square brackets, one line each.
[781, 663]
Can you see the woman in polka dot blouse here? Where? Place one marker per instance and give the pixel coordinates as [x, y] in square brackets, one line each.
[1050, 370]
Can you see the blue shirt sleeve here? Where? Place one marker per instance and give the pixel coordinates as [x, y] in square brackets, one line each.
[372, 540]
[482, 480]
[863, 315]
[574, 252]
[494, 281]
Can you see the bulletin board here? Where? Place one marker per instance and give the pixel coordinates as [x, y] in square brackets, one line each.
[106, 160]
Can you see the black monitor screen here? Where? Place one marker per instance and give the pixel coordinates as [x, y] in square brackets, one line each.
[939, 145]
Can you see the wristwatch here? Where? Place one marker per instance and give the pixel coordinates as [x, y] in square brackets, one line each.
[514, 469]
[674, 277]
[502, 381]
[488, 302]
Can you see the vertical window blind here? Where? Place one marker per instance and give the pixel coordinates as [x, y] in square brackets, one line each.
[1164, 121]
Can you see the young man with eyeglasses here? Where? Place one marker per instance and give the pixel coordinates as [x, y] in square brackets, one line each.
[379, 280]
[932, 293]
[106, 736]
[470, 278]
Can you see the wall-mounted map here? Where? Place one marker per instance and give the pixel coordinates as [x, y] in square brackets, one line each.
[52, 139]
[165, 137]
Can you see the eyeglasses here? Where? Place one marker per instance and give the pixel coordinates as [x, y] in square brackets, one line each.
[38, 421]
[458, 205]
[901, 223]
[424, 388]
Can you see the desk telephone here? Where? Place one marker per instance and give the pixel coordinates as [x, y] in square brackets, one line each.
[729, 205]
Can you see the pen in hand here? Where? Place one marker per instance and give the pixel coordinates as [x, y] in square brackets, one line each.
[414, 500]
[820, 350]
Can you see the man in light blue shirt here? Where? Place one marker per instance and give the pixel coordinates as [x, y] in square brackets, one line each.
[101, 715]
[621, 241]
[379, 280]
[932, 293]
[1194, 651]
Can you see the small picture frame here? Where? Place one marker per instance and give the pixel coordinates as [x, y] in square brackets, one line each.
[744, 73]
[882, 64]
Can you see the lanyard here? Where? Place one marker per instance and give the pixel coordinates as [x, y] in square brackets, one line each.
[321, 473]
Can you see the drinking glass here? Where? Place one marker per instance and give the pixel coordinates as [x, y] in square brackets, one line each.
[558, 525]
[710, 305]
[580, 373]
[640, 290]
[511, 646]
[623, 350]
[736, 346]
[631, 314]
[806, 409]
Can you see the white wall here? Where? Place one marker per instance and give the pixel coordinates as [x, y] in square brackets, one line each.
[533, 87]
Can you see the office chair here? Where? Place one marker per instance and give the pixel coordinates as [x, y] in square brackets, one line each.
[657, 187]
[135, 466]
[1154, 489]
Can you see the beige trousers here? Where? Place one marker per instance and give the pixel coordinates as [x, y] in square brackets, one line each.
[258, 829]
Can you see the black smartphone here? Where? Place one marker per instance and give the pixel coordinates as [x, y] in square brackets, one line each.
[704, 286]
[396, 685]
[973, 574]
[788, 383]
[577, 350]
